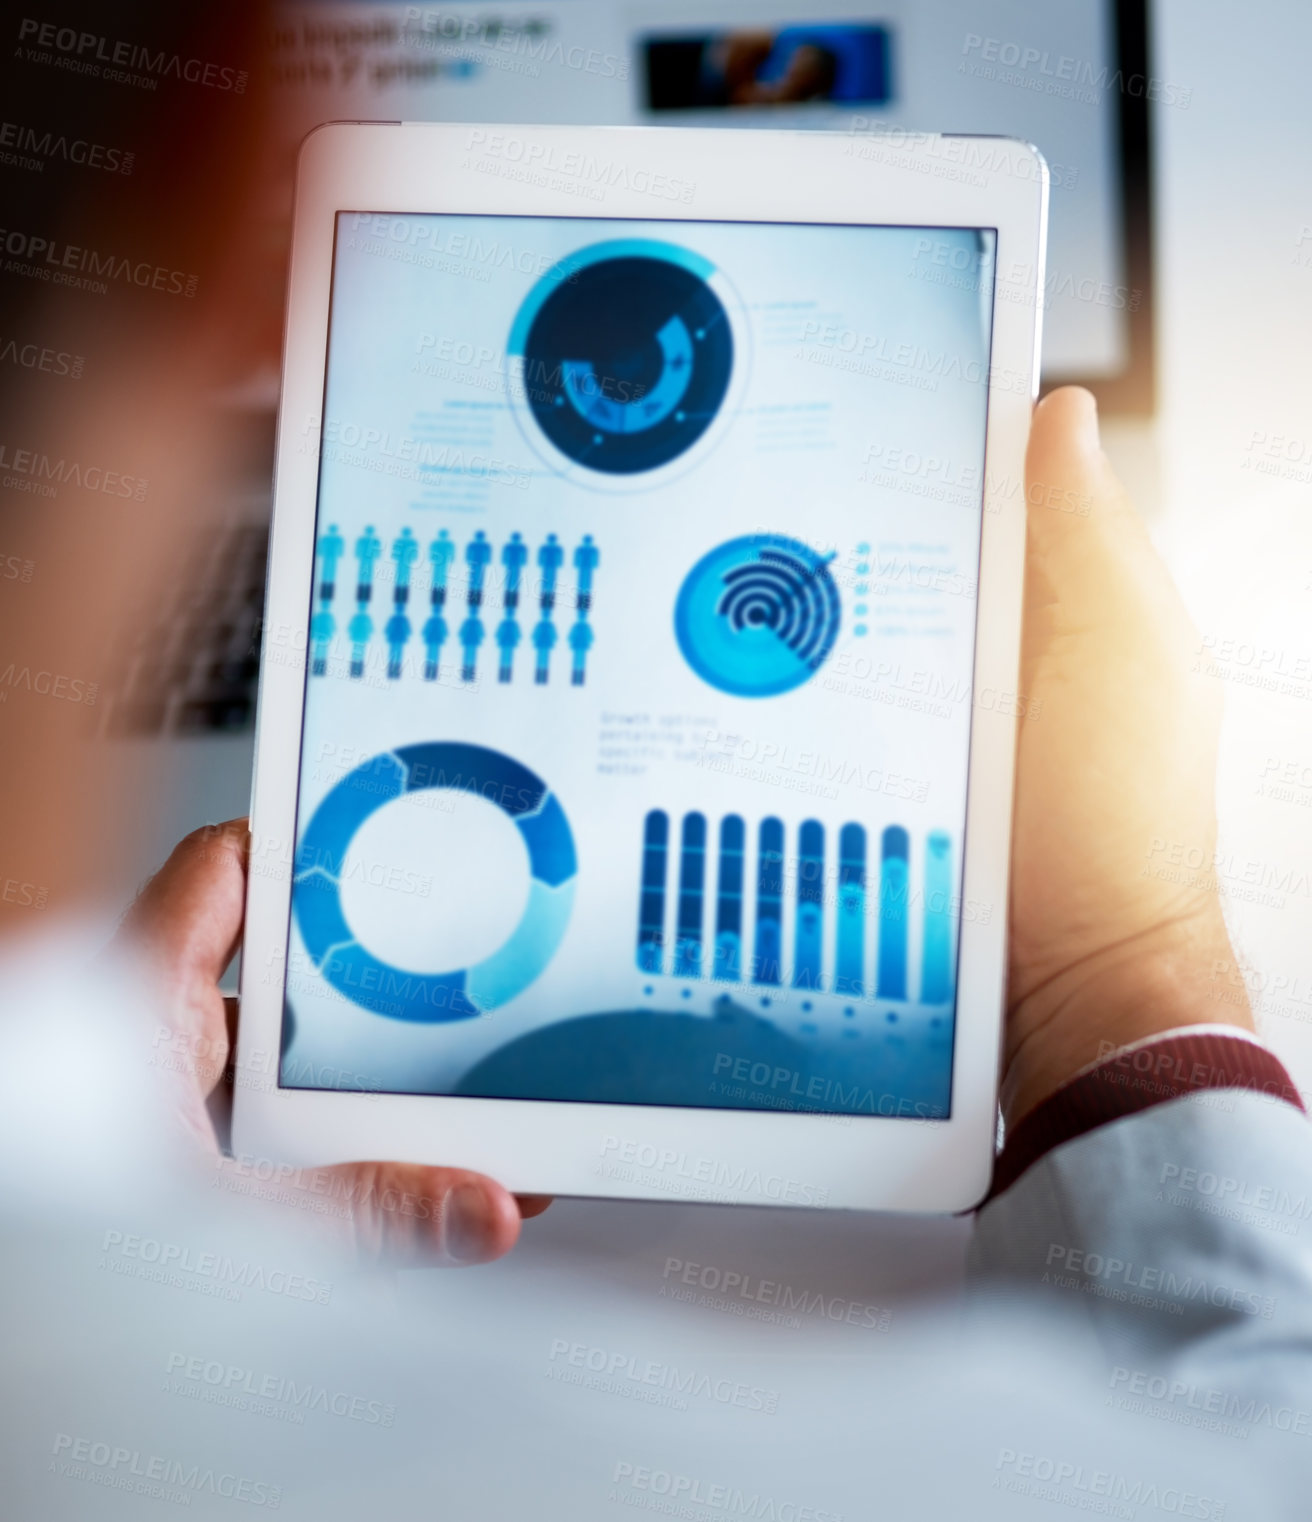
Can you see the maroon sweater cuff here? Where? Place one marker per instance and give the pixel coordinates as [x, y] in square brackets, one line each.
[1133, 1079]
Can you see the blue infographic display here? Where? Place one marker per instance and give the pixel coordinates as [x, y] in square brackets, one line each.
[758, 616]
[638, 662]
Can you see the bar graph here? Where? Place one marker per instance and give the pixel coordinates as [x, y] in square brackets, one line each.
[894, 871]
[767, 967]
[651, 922]
[849, 968]
[692, 882]
[851, 935]
[936, 948]
[808, 951]
[729, 901]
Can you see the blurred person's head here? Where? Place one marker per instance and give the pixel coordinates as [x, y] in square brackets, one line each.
[126, 310]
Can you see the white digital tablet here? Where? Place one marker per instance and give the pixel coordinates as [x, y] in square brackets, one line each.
[637, 714]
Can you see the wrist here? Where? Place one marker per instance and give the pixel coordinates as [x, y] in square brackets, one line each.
[1182, 973]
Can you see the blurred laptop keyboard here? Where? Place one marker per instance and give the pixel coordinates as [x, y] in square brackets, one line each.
[195, 670]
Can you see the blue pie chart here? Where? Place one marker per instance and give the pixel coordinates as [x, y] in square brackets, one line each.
[350, 967]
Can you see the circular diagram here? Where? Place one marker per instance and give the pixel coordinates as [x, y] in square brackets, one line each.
[757, 616]
[433, 997]
[624, 355]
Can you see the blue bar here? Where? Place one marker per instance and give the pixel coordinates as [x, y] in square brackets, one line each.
[893, 889]
[849, 967]
[729, 901]
[692, 882]
[936, 953]
[651, 904]
[769, 903]
[808, 945]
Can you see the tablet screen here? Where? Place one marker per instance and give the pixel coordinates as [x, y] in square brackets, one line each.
[640, 650]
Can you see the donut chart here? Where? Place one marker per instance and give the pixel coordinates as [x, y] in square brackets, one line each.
[757, 616]
[431, 998]
[625, 355]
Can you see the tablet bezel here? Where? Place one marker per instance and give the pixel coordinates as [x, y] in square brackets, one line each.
[678, 174]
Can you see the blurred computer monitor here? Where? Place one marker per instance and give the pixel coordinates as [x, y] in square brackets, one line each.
[1072, 78]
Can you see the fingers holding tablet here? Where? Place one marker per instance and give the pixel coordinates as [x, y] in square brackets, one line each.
[185, 927]
[405, 1215]
[1116, 765]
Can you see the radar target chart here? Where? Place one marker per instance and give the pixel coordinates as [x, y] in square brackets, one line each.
[622, 355]
[758, 616]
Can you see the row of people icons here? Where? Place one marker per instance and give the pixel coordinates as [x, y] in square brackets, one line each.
[442, 552]
[545, 636]
[472, 632]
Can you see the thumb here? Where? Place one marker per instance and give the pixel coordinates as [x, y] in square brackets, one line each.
[187, 919]
[387, 1214]
[185, 926]
[1092, 573]
[1069, 481]
[405, 1215]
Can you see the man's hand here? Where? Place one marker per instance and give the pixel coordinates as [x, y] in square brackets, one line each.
[1114, 777]
[186, 925]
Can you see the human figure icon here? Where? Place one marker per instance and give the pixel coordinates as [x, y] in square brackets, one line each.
[435, 634]
[478, 555]
[508, 636]
[322, 628]
[440, 553]
[360, 630]
[472, 635]
[586, 559]
[544, 640]
[550, 559]
[331, 549]
[368, 547]
[405, 551]
[397, 634]
[580, 642]
[514, 556]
